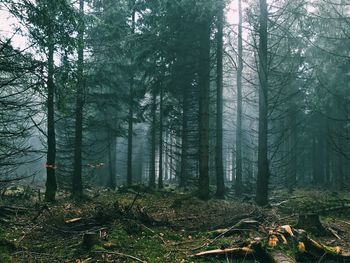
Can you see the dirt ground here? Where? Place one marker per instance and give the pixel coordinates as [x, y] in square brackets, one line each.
[167, 226]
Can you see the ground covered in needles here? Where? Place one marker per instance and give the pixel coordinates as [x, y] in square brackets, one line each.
[136, 225]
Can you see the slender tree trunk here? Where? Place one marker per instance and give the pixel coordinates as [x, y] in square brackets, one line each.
[51, 184]
[293, 145]
[238, 185]
[339, 169]
[111, 161]
[220, 182]
[184, 136]
[314, 160]
[233, 171]
[204, 85]
[327, 156]
[160, 176]
[171, 158]
[129, 178]
[263, 166]
[166, 175]
[77, 190]
[152, 175]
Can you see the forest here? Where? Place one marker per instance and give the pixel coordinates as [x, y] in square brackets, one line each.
[174, 131]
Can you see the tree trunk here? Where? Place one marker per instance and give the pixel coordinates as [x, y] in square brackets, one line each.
[293, 147]
[152, 175]
[160, 175]
[263, 166]
[130, 136]
[184, 136]
[220, 182]
[204, 85]
[171, 157]
[167, 152]
[238, 182]
[112, 161]
[233, 169]
[77, 189]
[129, 178]
[51, 184]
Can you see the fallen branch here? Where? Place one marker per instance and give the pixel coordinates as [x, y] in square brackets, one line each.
[121, 255]
[224, 232]
[241, 251]
[6, 181]
[40, 212]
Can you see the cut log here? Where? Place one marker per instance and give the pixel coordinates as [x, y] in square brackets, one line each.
[311, 223]
[90, 239]
[281, 257]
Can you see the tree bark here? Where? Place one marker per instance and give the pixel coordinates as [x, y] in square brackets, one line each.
[233, 171]
[160, 175]
[220, 182]
[204, 86]
[77, 189]
[152, 175]
[184, 136]
[293, 147]
[238, 182]
[51, 184]
[263, 166]
[112, 161]
[129, 178]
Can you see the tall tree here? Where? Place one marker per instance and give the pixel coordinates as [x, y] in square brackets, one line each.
[161, 128]
[220, 182]
[51, 184]
[152, 175]
[238, 181]
[129, 178]
[263, 166]
[204, 32]
[50, 24]
[77, 189]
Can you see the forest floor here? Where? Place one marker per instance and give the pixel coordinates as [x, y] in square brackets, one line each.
[167, 226]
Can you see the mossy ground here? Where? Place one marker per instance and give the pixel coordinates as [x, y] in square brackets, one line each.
[189, 222]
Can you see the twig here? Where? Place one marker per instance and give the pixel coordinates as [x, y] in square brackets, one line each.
[15, 179]
[235, 226]
[41, 210]
[59, 258]
[133, 202]
[159, 236]
[334, 233]
[121, 255]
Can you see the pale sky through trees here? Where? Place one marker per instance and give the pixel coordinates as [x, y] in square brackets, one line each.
[8, 23]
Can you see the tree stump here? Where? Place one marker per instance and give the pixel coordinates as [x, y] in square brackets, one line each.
[90, 239]
[311, 223]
